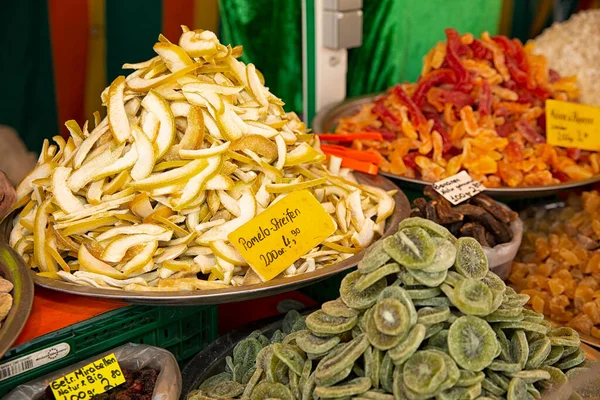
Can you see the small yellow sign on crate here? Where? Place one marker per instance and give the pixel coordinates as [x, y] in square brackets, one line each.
[284, 232]
[572, 125]
[92, 379]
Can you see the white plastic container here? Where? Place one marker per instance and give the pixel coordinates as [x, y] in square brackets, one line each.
[130, 356]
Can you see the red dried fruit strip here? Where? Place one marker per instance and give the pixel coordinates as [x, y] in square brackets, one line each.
[452, 57]
[434, 78]
[480, 51]
[438, 125]
[529, 132]
[485, 99]
[385, 114]
[416, 115]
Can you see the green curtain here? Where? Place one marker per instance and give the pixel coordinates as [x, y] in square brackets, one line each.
[396, 36]
[398, 33]
[271, 33]
[27, 103]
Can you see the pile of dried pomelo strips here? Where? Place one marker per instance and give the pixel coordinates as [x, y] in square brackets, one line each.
[421, 318]
[193, 146]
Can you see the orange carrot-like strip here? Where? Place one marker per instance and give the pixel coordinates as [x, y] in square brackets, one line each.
[360, 166]
[351, 153]
[349, 137]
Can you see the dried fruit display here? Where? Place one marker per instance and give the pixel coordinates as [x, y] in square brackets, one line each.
[446, 328]
[478, 106]
[480, 217]
[558, 264]
[193, 146]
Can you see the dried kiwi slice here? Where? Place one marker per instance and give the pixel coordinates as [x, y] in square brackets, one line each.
[445, 255]
[321, 323]
[290, 355]
[310, 343]
[519, 348]
[337, 308]
[374, 257]
[333, 363]
[391, 317]
[469, 378]
[350, 388]
[371, 278]
[564, 336]
[395, 292]
[472, 343]
[430, 279]
[424, 372]
[555, 354]
[386, 373]
[373, 358]
[271, 390]
[472, 297]
[409, 345]
[411, 247]
[538, 352]
[356, 299]
[471, 261]
[431, 227]
[376, 337]
[433, 315]
[517, 390]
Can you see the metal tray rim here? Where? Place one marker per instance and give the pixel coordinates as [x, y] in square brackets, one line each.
[14, 269]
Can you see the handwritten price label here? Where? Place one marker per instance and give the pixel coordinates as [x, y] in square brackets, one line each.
[572, 125]
[92, 379]
[284, 232]
[458, 188]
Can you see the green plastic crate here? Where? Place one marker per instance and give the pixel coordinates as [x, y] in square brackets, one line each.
[184, 331]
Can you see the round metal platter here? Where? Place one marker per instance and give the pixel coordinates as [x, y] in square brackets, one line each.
[231, 294]
[327, 120]
[14, 269]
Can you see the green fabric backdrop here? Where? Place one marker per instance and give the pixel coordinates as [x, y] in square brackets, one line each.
[396, 35]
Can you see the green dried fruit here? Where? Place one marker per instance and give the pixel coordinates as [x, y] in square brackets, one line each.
[225, 389]
[322, 323]
[519, 348]
[538, 352]
[472, 297]
[356, 299]
[445, 255]
[469, 378]
[310, 343]
[411, 247]
[564, 337]
[374, 257]
[290, 355]
[430, 279]
[424, 372]
[453, 277]
[391, 317]
[394, 292]
[472, 343]
[386, 373]
[333, 363]
[431, 227]
[555, 354]
[572, 360]
[409, 345]
[423, 293]
[337, 308]
[433, 315]
[351, 388]
[371, 278]
[517, 390]
[373, 358]
[269, 390]
[471, 261]
[378, 339]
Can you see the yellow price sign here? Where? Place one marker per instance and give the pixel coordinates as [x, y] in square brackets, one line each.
[572, 125]
[281, 234]
[92, 379]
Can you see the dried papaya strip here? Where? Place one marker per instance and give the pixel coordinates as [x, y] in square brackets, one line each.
[432, 79]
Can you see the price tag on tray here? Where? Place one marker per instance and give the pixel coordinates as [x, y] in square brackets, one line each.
[92, 379]
[458, 188]
[284, 232]
[572, 125]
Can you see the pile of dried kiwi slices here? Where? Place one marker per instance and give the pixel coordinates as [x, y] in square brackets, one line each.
[421, 318]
